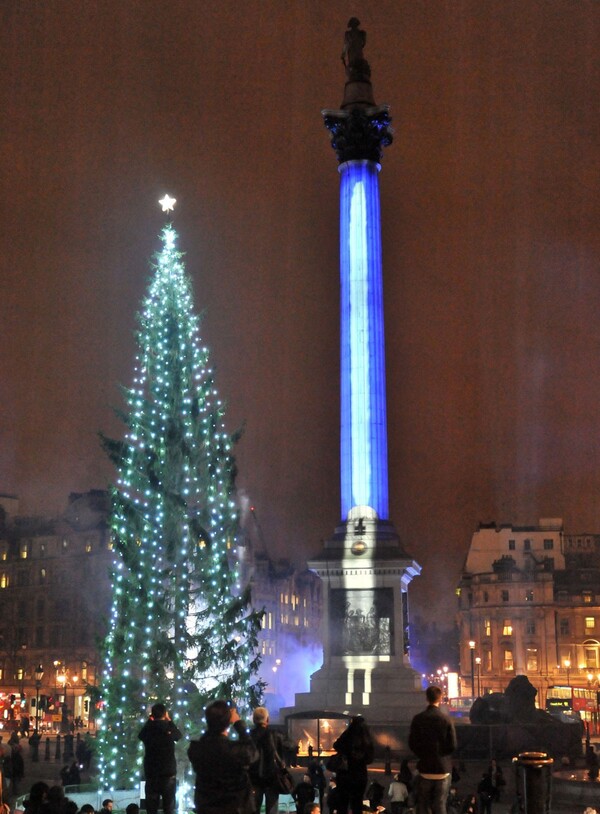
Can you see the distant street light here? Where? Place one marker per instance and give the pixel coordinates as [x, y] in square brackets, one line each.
[567, 663]
[478, 663]
[472, 649]
[38, 675]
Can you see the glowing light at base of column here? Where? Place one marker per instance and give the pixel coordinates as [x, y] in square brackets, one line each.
[364, 467]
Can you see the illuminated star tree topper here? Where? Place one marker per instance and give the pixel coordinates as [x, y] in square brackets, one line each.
[167, 203]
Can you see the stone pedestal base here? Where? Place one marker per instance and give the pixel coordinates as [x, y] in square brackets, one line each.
[383, 693]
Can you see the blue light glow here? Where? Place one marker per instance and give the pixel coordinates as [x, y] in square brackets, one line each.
[364, 470]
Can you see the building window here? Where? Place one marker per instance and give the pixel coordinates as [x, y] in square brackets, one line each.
[528, 596]
[22, 579]
[486, 596]
[24, 551]
[42, 576]
[487, 627]
[526, 545]
[507, 628]
[20, 674]
[88, 546]
[587, 597]
[532, 659]
[548, 545]
[3, 580]
[39, 637]
[565, 627]
[64, 545]
[488, 661]
[505, 596]
[512, 545]
[508, 663]
[590, 623]
[530, 627]
[42, 549]
[41, 607]
[591, 657]
[3, 553]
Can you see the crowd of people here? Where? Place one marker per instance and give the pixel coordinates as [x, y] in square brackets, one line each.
[241, 774]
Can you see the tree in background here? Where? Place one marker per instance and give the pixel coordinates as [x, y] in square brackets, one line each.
[181, 630]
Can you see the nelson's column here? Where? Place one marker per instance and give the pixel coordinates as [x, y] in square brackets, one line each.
[364, 568]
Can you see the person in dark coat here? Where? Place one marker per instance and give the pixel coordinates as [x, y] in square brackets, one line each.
[263, 772]
[17, 767]
[221, 765]
[304, 793]
[498, 780]
[433, 740]
[38, 795]
[405, 775]
[317, 778]
[159, 735]
[356, 746]
[332, 797]
[485, 791]
[70, 775]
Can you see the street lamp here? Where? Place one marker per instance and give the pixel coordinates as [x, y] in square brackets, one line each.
[567, 663]
[478, 663]
[61, 679]
[472, 649]
[74, 680]
[38, 675]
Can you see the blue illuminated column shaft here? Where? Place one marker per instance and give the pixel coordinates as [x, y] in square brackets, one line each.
[364, 465]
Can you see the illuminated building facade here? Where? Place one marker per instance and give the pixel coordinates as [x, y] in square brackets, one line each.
[289, 639]
[364, 568]
[529, 603]
[54, 596]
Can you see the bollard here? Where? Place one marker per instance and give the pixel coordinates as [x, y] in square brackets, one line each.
[533, 776]
[47, 755]
[57, 753]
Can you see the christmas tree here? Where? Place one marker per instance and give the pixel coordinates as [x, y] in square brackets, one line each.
[181, 631]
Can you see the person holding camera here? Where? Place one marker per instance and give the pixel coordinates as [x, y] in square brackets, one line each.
[221, 765]
[158, 735]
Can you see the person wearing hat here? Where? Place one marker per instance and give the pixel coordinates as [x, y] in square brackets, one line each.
[263, 772]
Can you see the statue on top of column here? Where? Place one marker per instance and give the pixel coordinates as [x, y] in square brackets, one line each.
[357, 67]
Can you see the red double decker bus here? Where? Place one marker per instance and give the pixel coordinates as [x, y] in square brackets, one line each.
[579, 702]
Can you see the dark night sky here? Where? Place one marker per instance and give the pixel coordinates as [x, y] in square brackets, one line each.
[490, 231]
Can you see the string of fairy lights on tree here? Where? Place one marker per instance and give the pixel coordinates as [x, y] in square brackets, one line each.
[181, 630]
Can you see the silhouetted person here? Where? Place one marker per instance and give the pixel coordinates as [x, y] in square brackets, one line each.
[356, 746]
[433, 740]
[158, 735]
[221, 765]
